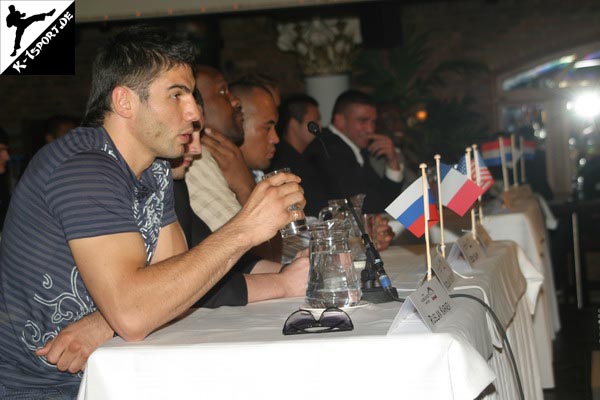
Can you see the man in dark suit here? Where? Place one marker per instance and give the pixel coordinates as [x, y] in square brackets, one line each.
[295, 113]
[350, 140]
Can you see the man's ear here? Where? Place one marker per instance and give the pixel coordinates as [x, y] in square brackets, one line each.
[293, 126]
[123, 101]
[339, 121]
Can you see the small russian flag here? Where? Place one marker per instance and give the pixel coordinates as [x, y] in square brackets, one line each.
[458, 192]
[409, 211]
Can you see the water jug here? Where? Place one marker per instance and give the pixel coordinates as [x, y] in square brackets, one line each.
[338, 209]
[333, 281]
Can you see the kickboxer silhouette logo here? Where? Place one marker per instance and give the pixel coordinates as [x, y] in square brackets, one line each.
[37, 37]
[18, 20]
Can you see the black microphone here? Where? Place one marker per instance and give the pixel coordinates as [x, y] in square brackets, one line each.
[314, 128]
[373, 257]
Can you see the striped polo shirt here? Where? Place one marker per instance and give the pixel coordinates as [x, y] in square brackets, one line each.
[78, 186]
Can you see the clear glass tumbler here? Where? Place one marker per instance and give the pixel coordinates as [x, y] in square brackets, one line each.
[294, 227]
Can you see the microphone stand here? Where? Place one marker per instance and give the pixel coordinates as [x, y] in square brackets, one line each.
[374, 271]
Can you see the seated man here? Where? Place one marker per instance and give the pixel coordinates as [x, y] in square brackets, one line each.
[219, 181]
[91, 242]
[349, 140]
[260, 119]
[251, 279]
[295, 113]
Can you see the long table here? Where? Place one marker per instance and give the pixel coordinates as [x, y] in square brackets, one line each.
[522, 222]
[240, 352]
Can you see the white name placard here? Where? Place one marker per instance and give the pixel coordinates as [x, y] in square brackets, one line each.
[470, 248]
[484, 237]
[457, 262]
[442, 269]
[509, 197]
[430, 301]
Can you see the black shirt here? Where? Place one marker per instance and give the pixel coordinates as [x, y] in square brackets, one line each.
[231, 290]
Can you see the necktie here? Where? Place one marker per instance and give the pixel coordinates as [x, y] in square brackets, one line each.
[365, 155]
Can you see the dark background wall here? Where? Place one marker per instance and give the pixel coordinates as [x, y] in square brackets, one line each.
[502, 34]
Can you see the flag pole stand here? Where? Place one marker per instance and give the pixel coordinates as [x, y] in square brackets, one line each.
[441, 211]
[478, 179]
[523, 179]
[423, 168]
[503, 161]
[513, 149]
[468, 160]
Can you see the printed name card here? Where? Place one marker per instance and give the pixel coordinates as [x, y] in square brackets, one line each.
[509, 197]
[470, 248]
[430, 301]
[484, 237]
[525, 190]
[442, 269]
[458, 264]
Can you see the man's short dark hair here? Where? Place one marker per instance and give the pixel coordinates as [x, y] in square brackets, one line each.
[262, 79]
[245, 84]
[133, 58]
[348, 98]
[294, 107]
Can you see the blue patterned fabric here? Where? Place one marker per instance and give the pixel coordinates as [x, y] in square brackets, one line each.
[76, 187]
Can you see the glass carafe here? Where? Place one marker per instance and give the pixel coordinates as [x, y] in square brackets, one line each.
[333, 281]
[338, 209]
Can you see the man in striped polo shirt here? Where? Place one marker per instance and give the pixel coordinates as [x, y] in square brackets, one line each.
[91, 236]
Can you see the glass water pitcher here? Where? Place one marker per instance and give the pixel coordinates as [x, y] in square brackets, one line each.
[338, 209]
[333, 281]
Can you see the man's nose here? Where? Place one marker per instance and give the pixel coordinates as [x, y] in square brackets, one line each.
[192, 112]
[274, 137]
[235, 101]
[371, 127]
[195, 145]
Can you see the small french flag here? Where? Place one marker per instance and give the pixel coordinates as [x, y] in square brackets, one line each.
[458, 192]
[409, 211]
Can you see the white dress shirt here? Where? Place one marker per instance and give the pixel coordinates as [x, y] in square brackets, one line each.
[392, 174]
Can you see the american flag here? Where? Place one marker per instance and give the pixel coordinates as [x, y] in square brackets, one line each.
[486, 177]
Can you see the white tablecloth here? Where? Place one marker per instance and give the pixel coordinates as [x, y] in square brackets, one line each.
[524, 224]
[508, 292]
[232, 353]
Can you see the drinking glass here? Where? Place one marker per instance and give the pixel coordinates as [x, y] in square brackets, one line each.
[294, 227]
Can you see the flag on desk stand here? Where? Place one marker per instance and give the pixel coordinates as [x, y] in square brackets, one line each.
[486, 177]
[459, 192]
[409, 211]
[490, 152]
[528, 149]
